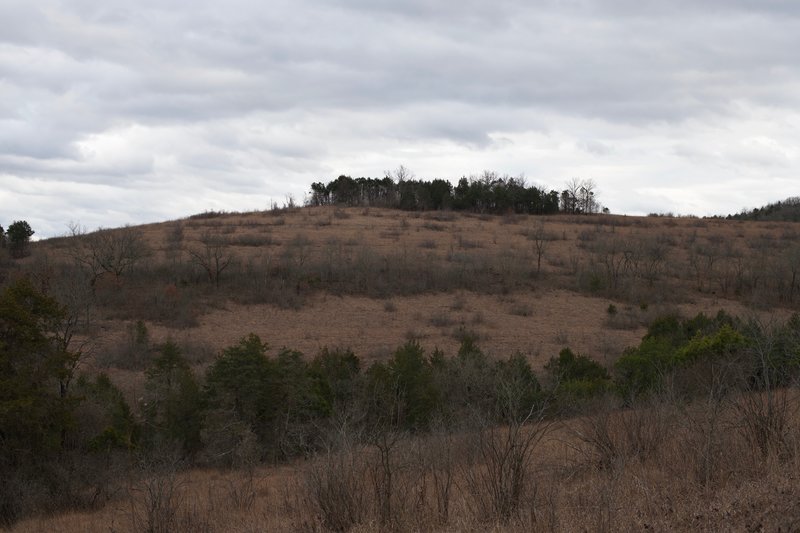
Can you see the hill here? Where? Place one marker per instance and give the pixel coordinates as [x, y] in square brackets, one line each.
[371, 278]
[418, 346]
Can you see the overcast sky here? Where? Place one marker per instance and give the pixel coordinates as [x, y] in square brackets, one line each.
[117, 112]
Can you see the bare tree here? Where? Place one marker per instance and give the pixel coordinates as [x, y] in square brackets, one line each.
[653, 258]
[792, 261]
[214, 256]
[579, 197]
[586, 197]
[541, 239]
[702, 260]
[111, 251]
[67, 285]
[768, 404]
[499, 476]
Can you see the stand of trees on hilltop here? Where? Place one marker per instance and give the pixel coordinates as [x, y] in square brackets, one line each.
[786, 210]
[488, 193]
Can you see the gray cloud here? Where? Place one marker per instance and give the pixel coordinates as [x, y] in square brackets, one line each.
[114, 113]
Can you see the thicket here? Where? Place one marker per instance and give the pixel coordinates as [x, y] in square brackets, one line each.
[489, 193]
[783, 211]
[63, 435]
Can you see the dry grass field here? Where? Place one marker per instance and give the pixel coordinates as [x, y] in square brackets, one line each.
[372, 279]
[313, 277]
[568, 488]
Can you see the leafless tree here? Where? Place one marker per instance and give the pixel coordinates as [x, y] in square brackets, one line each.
[499, 475]
[579, 196]
[67, 284]
[769, 404]
[111, 251]
[792, 261]
[213, 256]
[703, 260]
[653, 256]
[541, 239]
[401, 173]
[586, 197]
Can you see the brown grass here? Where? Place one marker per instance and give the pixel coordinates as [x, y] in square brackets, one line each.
[566, 487]
[368, 279]
[520, 311]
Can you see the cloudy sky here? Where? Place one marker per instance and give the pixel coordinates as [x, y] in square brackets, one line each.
[115, 112]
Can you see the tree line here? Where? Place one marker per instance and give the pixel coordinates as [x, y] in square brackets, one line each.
[256, 404]
[787, 210]
[487, 193]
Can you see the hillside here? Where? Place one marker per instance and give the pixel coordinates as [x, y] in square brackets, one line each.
[419, 341]
[370, 278]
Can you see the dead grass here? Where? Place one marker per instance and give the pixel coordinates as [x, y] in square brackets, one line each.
[310, 278]
[645, 480]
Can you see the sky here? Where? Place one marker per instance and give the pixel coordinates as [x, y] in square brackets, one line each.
[121, 112]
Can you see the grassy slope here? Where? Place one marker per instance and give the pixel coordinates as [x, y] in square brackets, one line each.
[506, 304]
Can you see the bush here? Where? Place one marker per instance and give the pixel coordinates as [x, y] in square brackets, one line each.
[335, 375]
[404, 392]
[238, 383]
[571, 367]
[576, 378]
[642, 369]
[172, 409]
[517, 390]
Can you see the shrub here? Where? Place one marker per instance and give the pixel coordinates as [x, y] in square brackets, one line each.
[576, 378]
[237, 383]
[517, 390]
[642, 369]
[335, 376]
[106, 420]
[571, 367]
[172, 409]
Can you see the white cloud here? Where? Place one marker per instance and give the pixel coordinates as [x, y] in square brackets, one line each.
[112, 113]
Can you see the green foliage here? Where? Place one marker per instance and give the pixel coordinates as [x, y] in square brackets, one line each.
[172, 408]
[570, 367]
[781, 364]
[19, 235]
[465, 381]
[642, 369]
[413, 377]
[576, 378]
[272, 398]
[725, 342]
[335, 376]
[785, 210]
[35, 411]
[487, 193]
[295, 386]
[106, 415]
[403, 392]
[238, 383]
[672, 343]
[517, 391]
